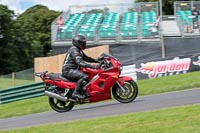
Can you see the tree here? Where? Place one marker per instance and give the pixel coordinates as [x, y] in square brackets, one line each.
[23, 38]
[33, 34]
[36, 28]
[7, 56]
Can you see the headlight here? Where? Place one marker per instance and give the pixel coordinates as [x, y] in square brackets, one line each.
[120, 68]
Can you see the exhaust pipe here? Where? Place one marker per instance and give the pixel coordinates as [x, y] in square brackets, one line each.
[54, 95]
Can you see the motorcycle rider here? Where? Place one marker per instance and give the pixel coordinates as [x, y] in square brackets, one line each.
[75, 59]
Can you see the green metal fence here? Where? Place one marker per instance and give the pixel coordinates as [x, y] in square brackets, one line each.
[21, 92]
[19, 78]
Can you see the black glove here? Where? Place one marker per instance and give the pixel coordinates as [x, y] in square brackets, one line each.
[100, 58]
[97, 61]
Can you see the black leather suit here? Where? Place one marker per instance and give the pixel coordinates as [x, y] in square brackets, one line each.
[74, 60]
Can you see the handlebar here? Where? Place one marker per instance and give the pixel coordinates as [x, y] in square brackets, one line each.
[40, 74]
[100, 64]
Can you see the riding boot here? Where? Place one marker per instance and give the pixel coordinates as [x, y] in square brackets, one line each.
[86, 93]
[77, 92]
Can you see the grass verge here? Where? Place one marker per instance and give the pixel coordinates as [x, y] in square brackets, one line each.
[9, 83]
[185, 119]
[146, 87]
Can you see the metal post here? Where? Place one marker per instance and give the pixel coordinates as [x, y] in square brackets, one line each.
[162, 46]
[175, 13]
[161, 13]
[160, 1]
[161, 8]
[139, 31]
[13, 79]
[161, 31]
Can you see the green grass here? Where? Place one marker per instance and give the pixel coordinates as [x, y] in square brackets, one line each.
[9, 83]
[185, 119]
[169, 83]
[146, 87]
[24, 107]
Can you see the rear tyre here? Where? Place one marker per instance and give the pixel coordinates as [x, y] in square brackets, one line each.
[130, 93]
[60, 106]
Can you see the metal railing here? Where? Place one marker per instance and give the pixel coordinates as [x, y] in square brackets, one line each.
[17, 78]
[54, 28]
[185, 5]
[21, 92]
[188, 23]
[97, 38]
[117, 36]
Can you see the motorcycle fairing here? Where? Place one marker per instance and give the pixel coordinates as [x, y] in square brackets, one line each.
[61, 84]
[100, 88]
[123, 79]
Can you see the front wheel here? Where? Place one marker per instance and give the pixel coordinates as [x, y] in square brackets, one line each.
[128, 94]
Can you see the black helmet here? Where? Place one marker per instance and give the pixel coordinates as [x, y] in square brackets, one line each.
[79, 41]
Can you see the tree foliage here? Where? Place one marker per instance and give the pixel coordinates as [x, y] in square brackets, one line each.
[35, 24]
[26, 37]
[7, 60]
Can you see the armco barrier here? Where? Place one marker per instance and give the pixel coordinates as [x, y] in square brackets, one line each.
[130, 71]
[37, 89]
[21, 92]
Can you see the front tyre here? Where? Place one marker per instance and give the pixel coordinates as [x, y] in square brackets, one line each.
[127, 95]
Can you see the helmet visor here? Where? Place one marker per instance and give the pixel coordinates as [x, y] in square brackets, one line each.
[82, 44]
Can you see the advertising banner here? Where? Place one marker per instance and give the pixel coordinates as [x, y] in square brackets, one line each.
[168, 66]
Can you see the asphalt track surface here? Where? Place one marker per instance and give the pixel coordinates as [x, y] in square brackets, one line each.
[103, 109]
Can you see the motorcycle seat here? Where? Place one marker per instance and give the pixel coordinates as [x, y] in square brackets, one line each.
[65, 79]
[57, 76]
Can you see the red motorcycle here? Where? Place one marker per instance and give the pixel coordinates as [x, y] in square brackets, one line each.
[101, 82]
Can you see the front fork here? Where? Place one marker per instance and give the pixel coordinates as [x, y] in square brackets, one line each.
[121, 87]
[121, 80]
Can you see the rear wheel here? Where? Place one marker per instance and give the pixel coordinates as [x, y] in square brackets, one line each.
[60, 106]
[128, 94]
